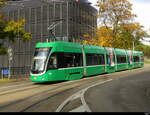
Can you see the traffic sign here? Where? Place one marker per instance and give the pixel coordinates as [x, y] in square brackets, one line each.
[5, 71]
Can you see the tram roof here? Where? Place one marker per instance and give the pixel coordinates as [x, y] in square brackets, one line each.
[57, 43]
[87, 48]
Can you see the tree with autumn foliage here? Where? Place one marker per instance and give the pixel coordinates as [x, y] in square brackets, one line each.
[117, 27]
[10, 29]
[129, 33]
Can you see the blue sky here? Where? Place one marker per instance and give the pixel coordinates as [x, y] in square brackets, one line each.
[142, 9]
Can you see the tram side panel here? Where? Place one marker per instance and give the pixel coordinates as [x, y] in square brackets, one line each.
[130, 59]
[95, 60]
[136, 59]
[110, 60]
[141, 59]
[70, 61]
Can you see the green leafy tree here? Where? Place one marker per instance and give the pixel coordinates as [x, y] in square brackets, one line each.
[117, 28]
[112, 13]
[144, 48]
[10, 29]
[2, 2]
[16, 29]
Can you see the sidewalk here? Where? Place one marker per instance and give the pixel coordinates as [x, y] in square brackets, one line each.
[13, 79]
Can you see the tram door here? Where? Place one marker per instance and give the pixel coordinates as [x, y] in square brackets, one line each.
[73, 64]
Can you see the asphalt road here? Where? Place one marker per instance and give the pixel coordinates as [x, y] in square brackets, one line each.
[25, 96]
[126, 94]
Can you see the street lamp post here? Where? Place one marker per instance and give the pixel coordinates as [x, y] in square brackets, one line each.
[9, 61]
[133, 42]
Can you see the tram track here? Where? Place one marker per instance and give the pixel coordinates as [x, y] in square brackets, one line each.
[21, 88]
[61, 89]
[67, 90]
[55, 93]
[20, 91]
[69, 85]
[34, 85]
[10, 86]
[42, 93]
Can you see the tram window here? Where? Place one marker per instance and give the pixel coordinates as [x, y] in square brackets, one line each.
[121, 59]
[52, 64]
[66, 60]
[95, 59]
[101, 58]
[39, 60]
[69, 60]
[72, 60]
[78, 60]
[136, 58]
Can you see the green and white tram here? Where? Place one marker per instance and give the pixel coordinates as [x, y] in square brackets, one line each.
[55, 61]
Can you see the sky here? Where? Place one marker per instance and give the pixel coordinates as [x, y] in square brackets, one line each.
[142, 9]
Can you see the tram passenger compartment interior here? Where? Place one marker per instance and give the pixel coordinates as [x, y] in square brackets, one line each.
[65, 60]
[121, 59]
[73, 59]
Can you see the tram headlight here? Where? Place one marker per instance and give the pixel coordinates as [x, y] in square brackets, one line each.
[50, 73]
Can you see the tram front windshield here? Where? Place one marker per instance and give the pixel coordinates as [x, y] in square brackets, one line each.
[39, 60]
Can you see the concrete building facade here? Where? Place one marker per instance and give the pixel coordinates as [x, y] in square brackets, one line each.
[79, 18]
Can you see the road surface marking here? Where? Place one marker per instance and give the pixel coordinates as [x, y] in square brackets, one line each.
[79, 94]
[82, 96]
[79, 109]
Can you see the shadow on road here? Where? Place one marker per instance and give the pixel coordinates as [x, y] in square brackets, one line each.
[48, 83]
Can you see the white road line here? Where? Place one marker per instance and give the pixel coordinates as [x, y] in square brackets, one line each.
[76, 96]
[79, 109]
[67, 101]
[82, 96]
[84, 103]
[79, 94]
